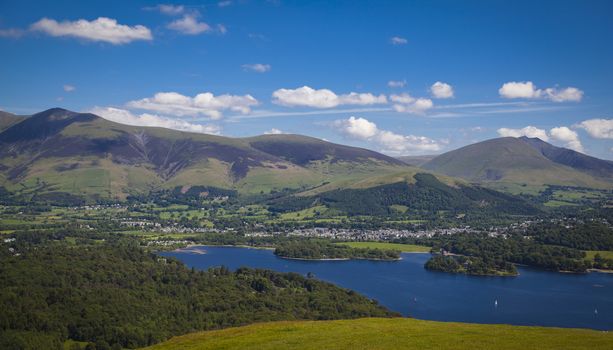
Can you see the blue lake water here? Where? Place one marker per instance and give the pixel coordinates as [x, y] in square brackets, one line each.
[534, 298]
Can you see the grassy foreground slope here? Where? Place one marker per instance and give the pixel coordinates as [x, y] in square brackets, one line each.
[376, 333]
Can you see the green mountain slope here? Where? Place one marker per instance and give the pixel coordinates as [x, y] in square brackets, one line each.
[576, 160]
[512, 160]
[9, 119]
[59, 151]
[376, 333]
[418, 192]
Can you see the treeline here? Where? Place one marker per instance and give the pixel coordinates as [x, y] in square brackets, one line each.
[594, 235]
[322, 249]
[496, 251]
[470, 265]
[109, 292]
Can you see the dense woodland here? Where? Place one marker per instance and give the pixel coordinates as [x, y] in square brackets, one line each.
[323, 249]
[426, 196]
[586, 236]
[496, 252]
[470, 265]
[109, 291]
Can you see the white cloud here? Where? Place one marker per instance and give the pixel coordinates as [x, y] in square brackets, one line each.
[359, 128]
[405, 103]
[323, 98]
[126, 117]
[69, 88]
[441, 90]
[388, 141]
[189, 24]
[566, 94]
[528, 131]
[396, 83]
[598, 128]
[101, 29]
[205, 104]
[515, 89]
[257, 67]
[224, 3]
[172, 10]
[273, 131]
[396, 40]
[569, 137]
[528, 90]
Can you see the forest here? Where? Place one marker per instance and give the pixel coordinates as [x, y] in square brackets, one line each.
[496, 252]
[110, 293]
[322, 249]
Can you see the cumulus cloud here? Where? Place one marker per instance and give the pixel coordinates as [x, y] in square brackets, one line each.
[203, 104]
[396, 40]
[566, 136]
[563, 95]
[528, 131]
[257, 67]
[388, 141]
[172, 10]
[69, 88]
[441, 90]
[405, 103]
[598, 128]
[323, 98]
[189, 24]
[224, 3]
[123, 116]
[527, 90]
[397, 83]
[102, 29]
[569, 137]
[273, 131]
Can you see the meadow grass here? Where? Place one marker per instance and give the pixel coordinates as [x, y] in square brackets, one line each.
[603, 253]
[399, 333]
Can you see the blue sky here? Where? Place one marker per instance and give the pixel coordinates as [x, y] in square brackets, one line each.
[412, 77]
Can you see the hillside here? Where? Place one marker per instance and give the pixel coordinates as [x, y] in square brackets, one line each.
[416, 160]
[519, 161]
[419, 193]
[374, 333]
[576, 160]
[59, 152]
[8, 119]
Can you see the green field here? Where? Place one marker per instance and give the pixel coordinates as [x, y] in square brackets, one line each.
[374, 333]
[405, 248]
[603, 253]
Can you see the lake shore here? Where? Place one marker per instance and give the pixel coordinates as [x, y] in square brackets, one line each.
[335, 259]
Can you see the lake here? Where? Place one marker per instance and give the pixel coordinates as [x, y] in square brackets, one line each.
[535, 297]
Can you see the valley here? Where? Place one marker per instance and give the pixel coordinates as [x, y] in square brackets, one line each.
[74, 185]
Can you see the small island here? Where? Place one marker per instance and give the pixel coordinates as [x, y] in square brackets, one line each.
[470, 265]
[326, 250]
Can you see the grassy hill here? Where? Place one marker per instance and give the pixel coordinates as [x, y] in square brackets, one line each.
[514, 161]
[63, 152]
[374, 333]
[9, 119]
[416, 160]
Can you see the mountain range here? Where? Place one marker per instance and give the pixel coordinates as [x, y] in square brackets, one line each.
[81, 154]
